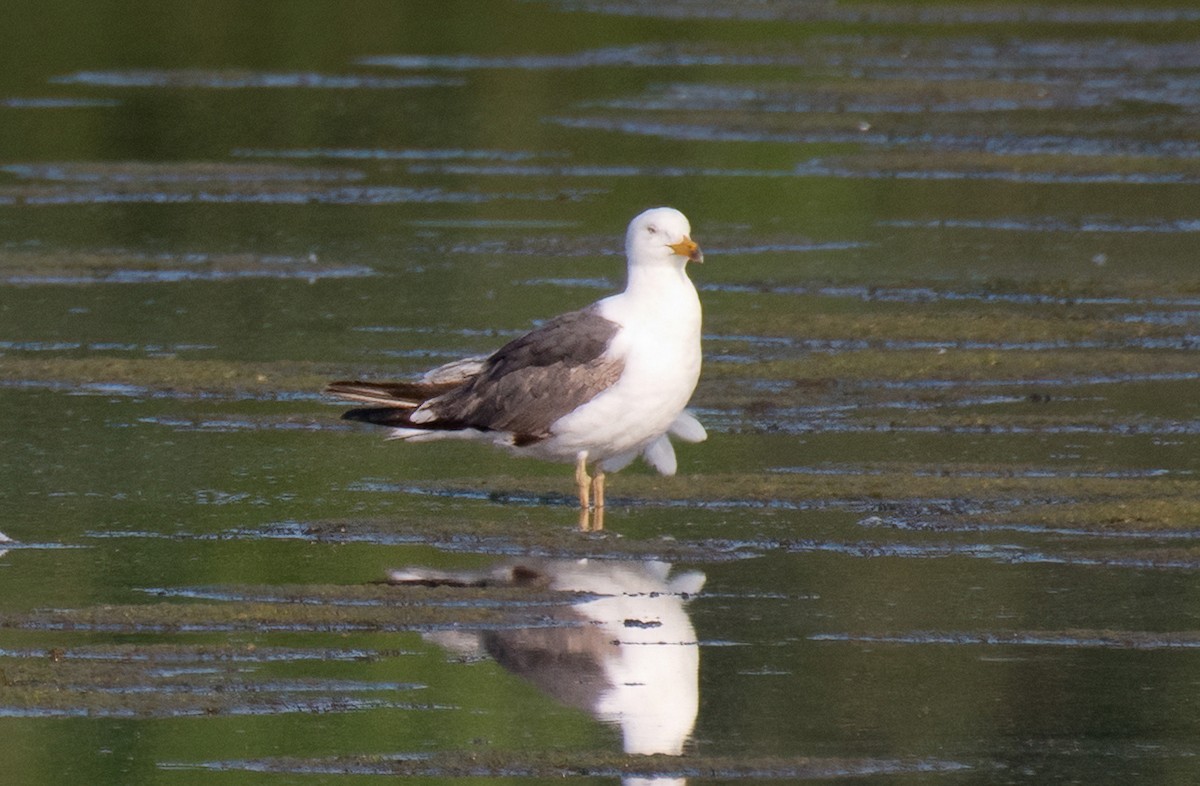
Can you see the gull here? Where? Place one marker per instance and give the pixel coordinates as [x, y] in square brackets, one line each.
[596, 387]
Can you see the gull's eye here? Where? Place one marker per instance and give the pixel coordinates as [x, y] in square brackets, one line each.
[652, 229]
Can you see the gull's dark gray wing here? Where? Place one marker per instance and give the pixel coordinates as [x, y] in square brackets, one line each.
[533, 380]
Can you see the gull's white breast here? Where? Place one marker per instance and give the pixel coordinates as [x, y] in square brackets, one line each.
[659, 344]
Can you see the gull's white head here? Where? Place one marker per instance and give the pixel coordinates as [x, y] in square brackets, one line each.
[661, 235]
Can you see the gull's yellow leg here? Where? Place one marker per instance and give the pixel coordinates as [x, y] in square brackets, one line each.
[582, 481]
[598, 499]
[598, 488]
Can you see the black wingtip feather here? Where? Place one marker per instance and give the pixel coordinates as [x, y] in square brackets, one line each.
[379, 416]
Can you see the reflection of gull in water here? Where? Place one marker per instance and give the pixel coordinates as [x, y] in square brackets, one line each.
[4, 539]
[632, 660]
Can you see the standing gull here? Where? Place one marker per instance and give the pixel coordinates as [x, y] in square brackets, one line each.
[599, 386]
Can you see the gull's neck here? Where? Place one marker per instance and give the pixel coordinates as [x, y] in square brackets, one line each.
[655, 280]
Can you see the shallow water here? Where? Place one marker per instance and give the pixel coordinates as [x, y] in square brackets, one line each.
[945, 526]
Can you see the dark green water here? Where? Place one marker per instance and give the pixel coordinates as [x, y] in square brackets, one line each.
[945, 526]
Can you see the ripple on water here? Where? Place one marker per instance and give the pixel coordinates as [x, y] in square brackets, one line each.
[85, 183]
[1159, 427]
[899, 523]
[556, 765]
[377, 154]
[641, 56]
[128, 390]
[142, 172]
[941, 472]
[775, 348]
[178, 276]
[200, 654]
[363, 195]
[228, 425]
[1089, 225]
[593, 171]
[833, 168]
[59, 103]
[1132, 640]
[750, 128]
[889, 14]
[128, 267]
[914, 294]
[240, 80]
[102, 346]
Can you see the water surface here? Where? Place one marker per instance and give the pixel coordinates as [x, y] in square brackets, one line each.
[944, 528]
